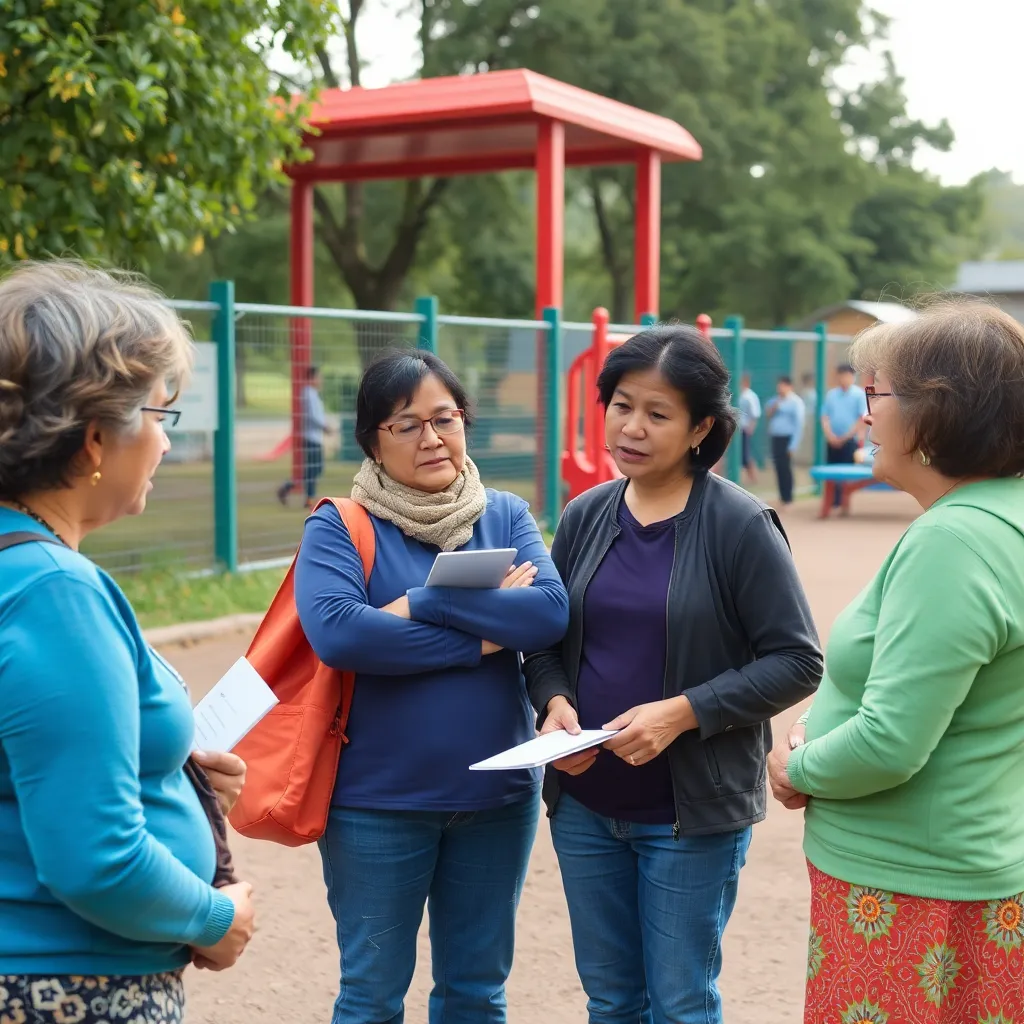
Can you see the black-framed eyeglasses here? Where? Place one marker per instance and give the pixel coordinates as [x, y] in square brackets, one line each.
[451, 421]
[170, 416]
[870, 394]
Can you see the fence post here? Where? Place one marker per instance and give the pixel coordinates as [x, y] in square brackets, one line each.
[648, 320]
[426, 307]
[735, 454]
[552, 315]
[225, 491]
[820, 379]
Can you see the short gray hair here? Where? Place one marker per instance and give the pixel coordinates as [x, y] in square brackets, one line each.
[77, 345]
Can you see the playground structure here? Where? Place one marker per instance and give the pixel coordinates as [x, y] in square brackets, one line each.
[471, 124]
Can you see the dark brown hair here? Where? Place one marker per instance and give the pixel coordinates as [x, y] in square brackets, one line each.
[693, 366]
[957, 371]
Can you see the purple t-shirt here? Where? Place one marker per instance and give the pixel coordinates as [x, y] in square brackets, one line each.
[622, 665]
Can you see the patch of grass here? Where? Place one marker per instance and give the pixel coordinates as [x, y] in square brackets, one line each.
[162, 597]
[266, 393]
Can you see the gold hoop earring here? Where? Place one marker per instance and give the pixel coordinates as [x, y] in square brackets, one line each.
[96, 477]
[926, 459]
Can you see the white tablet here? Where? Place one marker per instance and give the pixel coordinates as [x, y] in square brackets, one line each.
[479, 570]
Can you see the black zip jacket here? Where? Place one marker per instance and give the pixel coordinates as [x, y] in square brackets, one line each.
[742, 644]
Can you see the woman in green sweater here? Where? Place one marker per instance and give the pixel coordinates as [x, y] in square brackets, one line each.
[912, 770]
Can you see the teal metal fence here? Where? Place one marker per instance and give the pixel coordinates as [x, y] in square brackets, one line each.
[216, 505]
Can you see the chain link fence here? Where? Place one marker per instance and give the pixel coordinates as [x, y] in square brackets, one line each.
[497, 361]
[193, 518]
[270, 520]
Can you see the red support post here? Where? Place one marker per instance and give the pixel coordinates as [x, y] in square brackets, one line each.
[594, 413]
[550, 214]
[301, 295]
[647, 268]
[550, 267]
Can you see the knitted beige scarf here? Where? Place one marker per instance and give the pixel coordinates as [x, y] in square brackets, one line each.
[445, 519]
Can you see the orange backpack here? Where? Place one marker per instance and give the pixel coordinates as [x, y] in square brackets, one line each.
[292, 755]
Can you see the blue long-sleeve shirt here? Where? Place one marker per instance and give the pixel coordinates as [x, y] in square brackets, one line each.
[427, 703]
[786, 419]
[106, 856]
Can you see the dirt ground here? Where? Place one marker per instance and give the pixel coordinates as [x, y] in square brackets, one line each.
[289, 974]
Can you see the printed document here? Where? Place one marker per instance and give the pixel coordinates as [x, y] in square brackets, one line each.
[543, 750]
[232, 708]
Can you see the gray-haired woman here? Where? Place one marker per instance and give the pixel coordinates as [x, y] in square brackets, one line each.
[107, 857]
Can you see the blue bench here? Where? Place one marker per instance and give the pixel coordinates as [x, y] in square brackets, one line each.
[852, 478]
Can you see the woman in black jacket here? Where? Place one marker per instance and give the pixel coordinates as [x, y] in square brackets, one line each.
[689, 630]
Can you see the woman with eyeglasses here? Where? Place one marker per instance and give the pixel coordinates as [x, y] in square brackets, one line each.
[911, 764]
[112, 877]
[438, 687]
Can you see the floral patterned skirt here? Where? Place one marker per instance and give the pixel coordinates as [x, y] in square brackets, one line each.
[71, 999]
[883, 958]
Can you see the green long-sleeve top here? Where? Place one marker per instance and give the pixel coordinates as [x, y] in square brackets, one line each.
[914, 757]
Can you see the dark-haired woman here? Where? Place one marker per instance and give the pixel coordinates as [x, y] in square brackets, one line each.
[438, 687]
[688, 630]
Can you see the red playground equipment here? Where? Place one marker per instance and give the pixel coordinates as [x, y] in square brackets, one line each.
[586, 461]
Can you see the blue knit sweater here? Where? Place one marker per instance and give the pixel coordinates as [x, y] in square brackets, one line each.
[426, 703]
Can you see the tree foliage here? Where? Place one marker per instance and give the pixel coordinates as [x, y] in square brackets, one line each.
[806, 194]
[126, 126]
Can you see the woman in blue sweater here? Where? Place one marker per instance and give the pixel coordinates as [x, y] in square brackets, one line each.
[438, 687]
[107, 856]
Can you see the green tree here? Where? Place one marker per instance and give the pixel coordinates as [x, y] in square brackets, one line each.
[128, 126]
[793, 204]
[747, 77]
[1003, 230]
[915, 230]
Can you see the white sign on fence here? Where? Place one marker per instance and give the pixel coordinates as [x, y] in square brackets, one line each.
[198, 402]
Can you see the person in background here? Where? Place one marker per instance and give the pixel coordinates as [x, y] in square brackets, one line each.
[750, 414]
[785, 428]
[809, 394]
[911, 765]
[842, 420]
[688, 630]
[438, 688]
[107, 856]
[314, 427]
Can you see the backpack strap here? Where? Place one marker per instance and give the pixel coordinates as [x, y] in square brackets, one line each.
[357, 521]
[360, 529]
[12, 540]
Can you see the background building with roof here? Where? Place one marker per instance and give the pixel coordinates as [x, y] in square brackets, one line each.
[855, 315]
[1001, 281]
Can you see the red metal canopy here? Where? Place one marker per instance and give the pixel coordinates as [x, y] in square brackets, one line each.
[474, 123]
[497, 121]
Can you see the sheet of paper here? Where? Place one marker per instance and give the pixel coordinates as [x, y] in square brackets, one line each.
[231, 708]
[543, 750]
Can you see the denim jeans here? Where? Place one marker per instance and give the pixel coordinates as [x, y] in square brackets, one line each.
[468, 867]
[647, 914]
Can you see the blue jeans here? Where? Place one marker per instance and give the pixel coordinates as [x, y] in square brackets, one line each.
[647, 914]
[468, 867]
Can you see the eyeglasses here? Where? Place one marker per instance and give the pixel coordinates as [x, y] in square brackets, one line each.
[170, 416]
[451, 421]
[870, 394]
